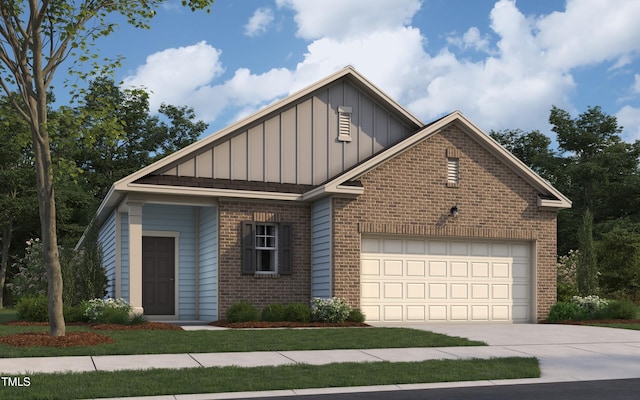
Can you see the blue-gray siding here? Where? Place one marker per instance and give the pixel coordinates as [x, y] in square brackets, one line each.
[321, 248]
[107, 243]
[208, 282]
[124, 257]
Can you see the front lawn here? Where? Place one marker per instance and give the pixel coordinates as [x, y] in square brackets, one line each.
[171, 342]
[620, 325]
[234, 379]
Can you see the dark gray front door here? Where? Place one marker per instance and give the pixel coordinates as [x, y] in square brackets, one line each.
[158, 275]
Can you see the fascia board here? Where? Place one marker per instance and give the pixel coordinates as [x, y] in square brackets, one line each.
[191, 191]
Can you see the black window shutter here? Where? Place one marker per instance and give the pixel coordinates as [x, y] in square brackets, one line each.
[286, 249]
[248, 247]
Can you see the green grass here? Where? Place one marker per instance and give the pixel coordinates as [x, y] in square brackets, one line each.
[168, 342]
[620, 326]
[234, 379]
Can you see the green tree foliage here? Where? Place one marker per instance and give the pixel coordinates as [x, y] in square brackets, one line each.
[532, 148]
[587, 269]
[619, 260]
[36, 37]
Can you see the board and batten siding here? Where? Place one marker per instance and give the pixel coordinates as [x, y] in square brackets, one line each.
[107, 243]
[181, 219]
[208, 268]
[299, 144]
[321, 248]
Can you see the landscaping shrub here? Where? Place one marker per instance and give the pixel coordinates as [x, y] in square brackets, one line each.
[590, 305]
[329, 310]
[563, 311]
[94, 309]
[33, 308]
[356, 316]
[274, 313]
[242, 312]
[111, 315]
[620, 309]
[74, 314]
[297, 312]
[137, 319]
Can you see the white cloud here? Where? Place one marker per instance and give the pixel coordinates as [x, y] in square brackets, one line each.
[513, 85]
[172, 75]
[340, 19]
[259, 22]
[629, 118]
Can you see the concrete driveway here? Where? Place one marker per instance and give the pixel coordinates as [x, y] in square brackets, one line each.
[566, 352]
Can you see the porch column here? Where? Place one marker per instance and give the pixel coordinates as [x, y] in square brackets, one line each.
[135, 256]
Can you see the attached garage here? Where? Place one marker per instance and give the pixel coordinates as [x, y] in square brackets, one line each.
[408, 279]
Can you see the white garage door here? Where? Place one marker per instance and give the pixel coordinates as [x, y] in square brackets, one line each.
[420, 280]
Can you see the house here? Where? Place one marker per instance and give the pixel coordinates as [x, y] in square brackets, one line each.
[339, 191]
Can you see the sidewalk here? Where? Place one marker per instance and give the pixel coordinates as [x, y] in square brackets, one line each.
[566, 353]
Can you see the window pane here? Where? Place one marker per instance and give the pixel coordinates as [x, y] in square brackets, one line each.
[266, 260]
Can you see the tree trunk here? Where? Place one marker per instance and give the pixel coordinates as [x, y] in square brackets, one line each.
[7, 234]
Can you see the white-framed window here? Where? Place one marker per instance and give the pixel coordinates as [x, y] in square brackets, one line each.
[266, 247]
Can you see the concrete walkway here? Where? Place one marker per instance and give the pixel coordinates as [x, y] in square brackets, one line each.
[566, 353]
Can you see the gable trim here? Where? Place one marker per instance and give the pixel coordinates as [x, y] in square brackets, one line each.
[337, 185]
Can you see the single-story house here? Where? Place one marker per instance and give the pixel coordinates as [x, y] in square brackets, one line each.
[336, 190]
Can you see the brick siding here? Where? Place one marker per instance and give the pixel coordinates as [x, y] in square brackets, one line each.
[409, 195]
[233, 286]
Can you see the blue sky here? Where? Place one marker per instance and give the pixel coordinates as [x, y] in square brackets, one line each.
[502, 63]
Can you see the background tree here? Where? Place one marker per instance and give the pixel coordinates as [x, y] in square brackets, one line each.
[36, 37]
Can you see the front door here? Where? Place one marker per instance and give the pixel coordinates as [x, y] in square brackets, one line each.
[158, 275]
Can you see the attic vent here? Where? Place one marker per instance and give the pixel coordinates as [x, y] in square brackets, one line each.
[453, 172]
[344, 124]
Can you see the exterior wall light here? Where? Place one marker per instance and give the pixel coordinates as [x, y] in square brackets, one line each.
[454, 211]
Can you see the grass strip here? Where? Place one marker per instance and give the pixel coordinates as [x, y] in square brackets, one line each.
[635, 327]
[172, 342]
[234, 379]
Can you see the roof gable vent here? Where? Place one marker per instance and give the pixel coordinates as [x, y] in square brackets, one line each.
[344, 124]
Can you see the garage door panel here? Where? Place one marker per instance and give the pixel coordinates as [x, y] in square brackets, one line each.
[500, 270]
[393, 290]
[412, 279]
[480, 291]
[438, 313]
[437, 291]
[416, 291]
[417, 268]
[480, 270]
[370, 290]
[416, 312]
[370, 267]
[437, 268]
[459, 291]
[459, 269]
[392, 268]
[392, 313]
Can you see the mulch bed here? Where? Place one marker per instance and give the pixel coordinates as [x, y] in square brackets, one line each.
[28, 339]
[285, 324]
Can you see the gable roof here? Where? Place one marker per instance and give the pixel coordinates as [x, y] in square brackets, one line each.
[147, 179]
[550, 197]
[135, 183]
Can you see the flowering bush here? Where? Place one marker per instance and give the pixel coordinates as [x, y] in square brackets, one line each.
[97, 308]
[567, 275]
[329, 310]
[31, 279]
[590, 304]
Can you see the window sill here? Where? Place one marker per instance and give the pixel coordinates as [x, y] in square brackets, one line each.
[266, 275]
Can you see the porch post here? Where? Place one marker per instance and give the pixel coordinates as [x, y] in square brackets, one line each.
[135, 256]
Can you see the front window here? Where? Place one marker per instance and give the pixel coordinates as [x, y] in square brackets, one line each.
[266, 247]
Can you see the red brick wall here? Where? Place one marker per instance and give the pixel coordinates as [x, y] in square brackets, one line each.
[233, 286]
[409, 195]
